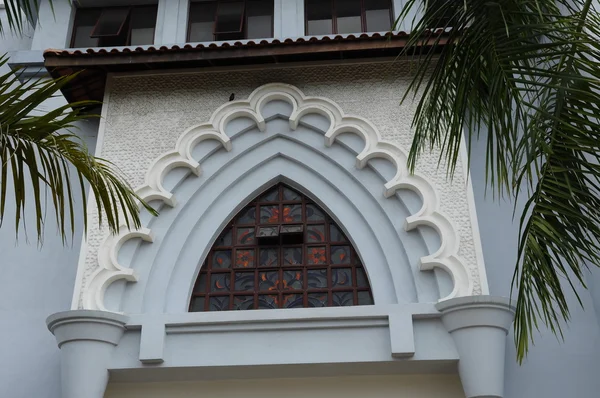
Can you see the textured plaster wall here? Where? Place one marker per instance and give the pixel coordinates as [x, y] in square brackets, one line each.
[147, 113]
[346, 387]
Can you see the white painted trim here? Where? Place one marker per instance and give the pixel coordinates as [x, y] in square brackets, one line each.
[81, 266]
[446, 257]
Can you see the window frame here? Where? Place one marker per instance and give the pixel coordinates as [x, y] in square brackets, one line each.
[334, 17]
[323, 249]
[125, 22]
[244, 20]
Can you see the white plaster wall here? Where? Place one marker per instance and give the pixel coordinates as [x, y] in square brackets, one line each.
[413, 386]
[145, 114]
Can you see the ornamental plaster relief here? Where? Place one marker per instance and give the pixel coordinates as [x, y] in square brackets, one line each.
[147, 114]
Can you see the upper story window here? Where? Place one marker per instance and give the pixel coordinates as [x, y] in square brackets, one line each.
[281, 251]
[325, 17]
[230, 20]
[114, 26]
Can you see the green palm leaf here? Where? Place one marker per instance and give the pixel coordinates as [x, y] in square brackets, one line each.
[38, 153]
[20, 13]
[528, 72]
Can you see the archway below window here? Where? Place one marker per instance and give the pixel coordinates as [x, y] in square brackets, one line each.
[281, 251]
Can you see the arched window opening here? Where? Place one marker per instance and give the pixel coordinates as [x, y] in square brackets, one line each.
[281, 251]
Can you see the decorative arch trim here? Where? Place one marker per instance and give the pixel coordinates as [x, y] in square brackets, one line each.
[446, 257]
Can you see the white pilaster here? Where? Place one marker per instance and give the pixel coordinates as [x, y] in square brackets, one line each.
[53, 28]
[288, 18]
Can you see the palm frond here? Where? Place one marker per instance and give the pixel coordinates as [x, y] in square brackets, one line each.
[20, 13]
[38, 153]
[528, 72]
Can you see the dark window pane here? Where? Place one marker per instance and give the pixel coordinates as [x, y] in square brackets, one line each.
[290, 194]
[243, 302]
[259, 19]
[317, 278]
[319, 17]
[361, 278]
[143, 21]
[315, 233]
[201, 284]
[317, 300]
[342, 299]
[341, 277]
[83, 39]
[197, 304]
[335, 235]
[268, 258]
[364, 298]
[229, 24]
[270, 196]
[378, 15]
[202, 21]
[292, 256]
[316, 255]
[293, 301]
[111, 22]
[221, 259]
[85, 20]
[244, 281]
[220, 303]
[224, 239]
[293, 280]
[267, 302]
[220, 283]
[269, 214]
[247, 216]
[268, 281]
[245, 236]
[314, 214]
[292, 213]
[348, 16]
[340, 254]
[244, 258]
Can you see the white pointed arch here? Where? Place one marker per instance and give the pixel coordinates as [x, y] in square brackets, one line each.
[446, 257]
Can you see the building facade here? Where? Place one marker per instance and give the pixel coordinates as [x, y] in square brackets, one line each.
[293, 252]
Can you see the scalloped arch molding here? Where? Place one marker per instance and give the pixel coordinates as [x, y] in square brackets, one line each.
[445, 257]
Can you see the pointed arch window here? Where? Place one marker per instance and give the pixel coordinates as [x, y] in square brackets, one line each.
[281, 251]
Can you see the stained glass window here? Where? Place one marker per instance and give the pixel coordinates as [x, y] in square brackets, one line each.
[281, 251]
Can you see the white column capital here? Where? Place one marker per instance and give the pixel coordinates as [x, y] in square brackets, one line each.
[478, 326]
[86, 340]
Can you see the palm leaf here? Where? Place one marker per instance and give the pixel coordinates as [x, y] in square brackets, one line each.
[20, 13]
[39, 152]
[527, 72]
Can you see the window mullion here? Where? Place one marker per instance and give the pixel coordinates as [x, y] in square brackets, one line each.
[334, 28]
[363, 16]
[216, 19]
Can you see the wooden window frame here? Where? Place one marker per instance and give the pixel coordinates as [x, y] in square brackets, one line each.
[243, 21]
[101, 9]
[334, 17]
